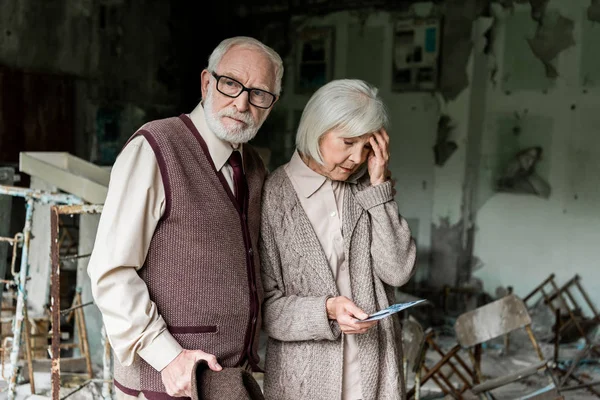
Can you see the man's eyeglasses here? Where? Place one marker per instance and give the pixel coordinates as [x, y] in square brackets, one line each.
[232, 88]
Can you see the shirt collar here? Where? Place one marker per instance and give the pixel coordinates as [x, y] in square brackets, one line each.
[310, 181]
[307, 180]
[219, 149]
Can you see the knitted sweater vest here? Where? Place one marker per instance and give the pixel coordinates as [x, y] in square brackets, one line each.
[202, 267]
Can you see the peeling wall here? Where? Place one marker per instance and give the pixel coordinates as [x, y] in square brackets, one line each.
[521, 239]
[457, 180]
[459, 16]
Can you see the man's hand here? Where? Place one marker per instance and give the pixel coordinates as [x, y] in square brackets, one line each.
[347, 314]
[177, 376]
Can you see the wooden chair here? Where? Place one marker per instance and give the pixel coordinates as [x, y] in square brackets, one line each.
[494, 320]
[451, 373]
[571, 318]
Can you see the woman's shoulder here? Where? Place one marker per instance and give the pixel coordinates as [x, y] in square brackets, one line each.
[277, 182]
[279, 197]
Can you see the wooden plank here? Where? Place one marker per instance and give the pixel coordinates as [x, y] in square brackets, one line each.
[68, 173]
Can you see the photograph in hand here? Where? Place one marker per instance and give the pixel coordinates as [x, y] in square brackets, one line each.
[393, 309]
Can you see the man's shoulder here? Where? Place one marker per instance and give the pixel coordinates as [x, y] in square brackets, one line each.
[161, 125]
[158, 130]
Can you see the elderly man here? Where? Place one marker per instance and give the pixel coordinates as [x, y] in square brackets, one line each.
[174, 270]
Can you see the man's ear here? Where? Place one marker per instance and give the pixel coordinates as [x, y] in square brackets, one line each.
[204, 82]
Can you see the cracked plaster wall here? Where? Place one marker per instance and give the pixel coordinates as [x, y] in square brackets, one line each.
[521, 239]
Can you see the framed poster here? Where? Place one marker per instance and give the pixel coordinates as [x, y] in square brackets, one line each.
[314, 56]
[416, 52]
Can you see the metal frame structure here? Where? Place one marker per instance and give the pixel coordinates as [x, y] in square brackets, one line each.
[55, 212]
[31, 196]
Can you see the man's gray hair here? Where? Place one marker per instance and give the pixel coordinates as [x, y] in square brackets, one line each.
[351, 105]
[247, 42]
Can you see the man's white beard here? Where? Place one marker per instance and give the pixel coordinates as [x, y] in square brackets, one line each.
[235, 135]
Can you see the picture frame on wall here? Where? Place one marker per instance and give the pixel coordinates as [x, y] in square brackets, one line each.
[314, 55]
[415, 54]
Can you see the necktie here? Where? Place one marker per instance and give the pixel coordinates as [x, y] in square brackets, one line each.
[239, 179]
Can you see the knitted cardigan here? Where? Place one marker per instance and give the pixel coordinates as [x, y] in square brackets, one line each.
[304, 357]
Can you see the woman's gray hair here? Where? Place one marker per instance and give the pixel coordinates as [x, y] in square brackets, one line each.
[351, 105]
[247, 42]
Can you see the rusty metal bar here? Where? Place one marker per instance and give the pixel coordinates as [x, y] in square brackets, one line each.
[40, 195]
[20, 280]
[80, 209]
[55, 302]
[56, 211]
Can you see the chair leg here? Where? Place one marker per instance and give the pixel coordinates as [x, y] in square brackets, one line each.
[405, 367]
[418, 385]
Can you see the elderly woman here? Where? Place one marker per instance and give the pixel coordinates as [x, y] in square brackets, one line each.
[333, 248]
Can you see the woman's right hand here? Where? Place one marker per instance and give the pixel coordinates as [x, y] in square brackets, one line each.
[347, 314]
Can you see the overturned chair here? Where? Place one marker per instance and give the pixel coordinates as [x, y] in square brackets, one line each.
[451, 373]
[573, 318]
[498, 319]
[460, 380]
